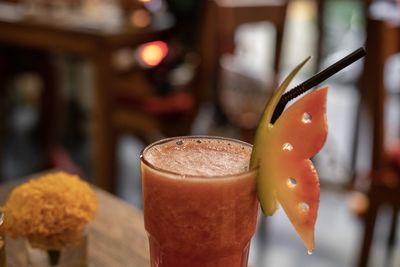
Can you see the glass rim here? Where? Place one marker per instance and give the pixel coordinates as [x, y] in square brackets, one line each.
[169, 139]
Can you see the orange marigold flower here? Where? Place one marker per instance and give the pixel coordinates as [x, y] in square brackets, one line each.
[51, 211]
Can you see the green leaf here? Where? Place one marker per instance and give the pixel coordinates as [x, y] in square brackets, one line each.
[265, 190]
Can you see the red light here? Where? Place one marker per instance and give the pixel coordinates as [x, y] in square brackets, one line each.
[151, 54]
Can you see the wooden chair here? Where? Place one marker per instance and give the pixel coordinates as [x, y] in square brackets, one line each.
[383, 40]
[222, 20]
[321, 14]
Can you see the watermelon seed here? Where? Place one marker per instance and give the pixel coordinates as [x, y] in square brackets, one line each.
[179, 142]
[287, 147]
[291, 182]
[304, 207]
[307, 118]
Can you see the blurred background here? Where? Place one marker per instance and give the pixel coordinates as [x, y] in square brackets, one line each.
[85, 85]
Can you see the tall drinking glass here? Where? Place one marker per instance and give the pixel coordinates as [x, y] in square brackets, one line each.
[200, 204]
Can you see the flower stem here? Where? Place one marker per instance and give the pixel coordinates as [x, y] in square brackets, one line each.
[54, 256]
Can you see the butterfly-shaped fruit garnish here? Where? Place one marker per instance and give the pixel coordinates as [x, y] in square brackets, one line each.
[282, 150]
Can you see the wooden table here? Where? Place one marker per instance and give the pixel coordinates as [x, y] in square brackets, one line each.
[116, 237]
[97, 46]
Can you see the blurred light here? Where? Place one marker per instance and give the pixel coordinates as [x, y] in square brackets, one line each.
[123, 59]
[140, 18]
[153, 5]
[151, 54]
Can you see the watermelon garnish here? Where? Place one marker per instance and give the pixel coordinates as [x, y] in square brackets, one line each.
[282, 150]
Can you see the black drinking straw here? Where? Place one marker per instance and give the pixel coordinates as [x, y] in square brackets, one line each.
[315, 80]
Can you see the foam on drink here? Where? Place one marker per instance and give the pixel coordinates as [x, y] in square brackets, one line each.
[206, 157]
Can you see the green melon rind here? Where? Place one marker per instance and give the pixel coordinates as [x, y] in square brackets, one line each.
[265, 192]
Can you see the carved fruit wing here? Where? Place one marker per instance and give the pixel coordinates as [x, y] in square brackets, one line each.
[265, 190]
[297, 135]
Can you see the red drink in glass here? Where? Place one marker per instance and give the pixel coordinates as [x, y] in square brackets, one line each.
[200, 204]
